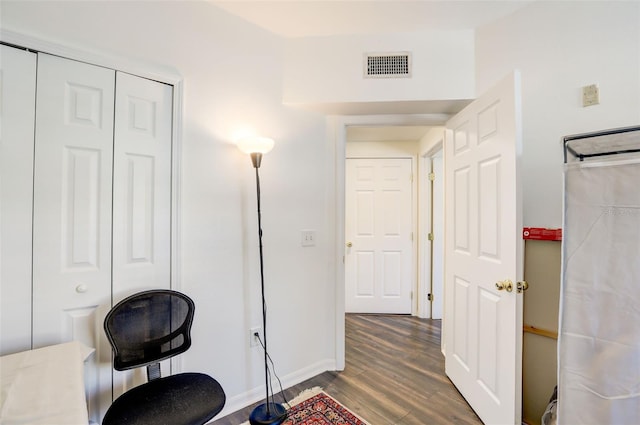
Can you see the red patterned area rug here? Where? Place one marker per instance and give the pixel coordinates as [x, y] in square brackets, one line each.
[315, 407]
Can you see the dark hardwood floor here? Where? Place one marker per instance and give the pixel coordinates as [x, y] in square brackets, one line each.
[394, 374]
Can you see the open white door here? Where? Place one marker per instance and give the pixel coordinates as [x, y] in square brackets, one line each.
[483, 254]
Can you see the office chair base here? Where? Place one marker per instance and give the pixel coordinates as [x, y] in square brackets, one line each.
[276, 415]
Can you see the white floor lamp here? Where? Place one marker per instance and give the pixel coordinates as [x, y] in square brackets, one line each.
[269, 412]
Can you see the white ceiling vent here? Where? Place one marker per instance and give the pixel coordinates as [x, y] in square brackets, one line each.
[387, 65]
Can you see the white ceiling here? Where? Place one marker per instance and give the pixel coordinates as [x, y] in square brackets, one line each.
[311, 18]
[308, 18]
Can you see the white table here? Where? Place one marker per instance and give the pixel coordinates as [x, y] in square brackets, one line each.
[44, 386]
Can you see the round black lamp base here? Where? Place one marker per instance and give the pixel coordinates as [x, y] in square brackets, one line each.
[276, 415]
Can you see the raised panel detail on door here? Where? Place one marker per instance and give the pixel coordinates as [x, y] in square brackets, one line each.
[83, 105]
[365, 263]
[461, 305]
[17, 115]
[81, 185]
[489, 208]
[364, 209]
[488, 336]
[140, 209]
[392, 274]
[461, 182]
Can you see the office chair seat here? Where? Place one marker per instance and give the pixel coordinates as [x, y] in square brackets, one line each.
[186, 398]
[143, 330]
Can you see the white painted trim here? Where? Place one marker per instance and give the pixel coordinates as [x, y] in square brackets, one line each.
[240, 401]
[391, 120]
[425, 220]
[424, 226]
[337, 138]
[415, 240]
[131, 66]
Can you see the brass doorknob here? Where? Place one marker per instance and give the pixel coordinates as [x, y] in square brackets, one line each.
[522, 286]
[349, 244]
[507, 285]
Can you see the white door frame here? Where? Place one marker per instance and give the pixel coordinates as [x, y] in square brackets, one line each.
[425, 225]
[337, 140]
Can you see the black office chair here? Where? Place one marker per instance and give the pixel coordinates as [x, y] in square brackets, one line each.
[144, 329]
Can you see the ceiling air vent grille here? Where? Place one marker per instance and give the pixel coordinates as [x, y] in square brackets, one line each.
[387, 65]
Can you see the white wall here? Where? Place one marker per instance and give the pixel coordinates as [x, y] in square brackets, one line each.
[433, 139]
[386, 149]
[559, 47]
[232, 77]
[330, 69]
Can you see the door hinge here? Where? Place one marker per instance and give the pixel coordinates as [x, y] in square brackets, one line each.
[432, 176]
[411, 177]
[411, 236]
[430, 236]
[411, 295]
[430, 297]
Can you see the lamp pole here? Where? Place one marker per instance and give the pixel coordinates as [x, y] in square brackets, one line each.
[256, 159]
[268, 413]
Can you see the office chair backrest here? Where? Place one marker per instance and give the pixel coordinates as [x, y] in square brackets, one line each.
[149, 327]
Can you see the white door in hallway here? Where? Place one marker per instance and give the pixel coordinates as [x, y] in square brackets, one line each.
[379, 271]
[483, 254]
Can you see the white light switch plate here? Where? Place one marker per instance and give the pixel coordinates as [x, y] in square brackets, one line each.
[308, 238]
[590, 95]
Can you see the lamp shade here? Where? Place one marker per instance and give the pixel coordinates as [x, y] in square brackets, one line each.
[255, 144]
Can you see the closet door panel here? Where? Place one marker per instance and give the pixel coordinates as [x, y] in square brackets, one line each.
[142, 185]
[72, 214]
[17, 115]
[142, 196]
[72, 199]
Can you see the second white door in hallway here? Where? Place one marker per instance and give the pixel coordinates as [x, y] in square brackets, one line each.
[379, 254]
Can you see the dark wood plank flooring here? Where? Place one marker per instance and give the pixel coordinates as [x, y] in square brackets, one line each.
[394, 374]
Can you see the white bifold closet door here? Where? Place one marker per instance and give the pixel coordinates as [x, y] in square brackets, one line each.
[102, 205]
[17, 114]
[72, 200]
[141, 197]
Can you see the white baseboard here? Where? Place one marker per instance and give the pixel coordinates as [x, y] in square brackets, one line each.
[245, 399]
